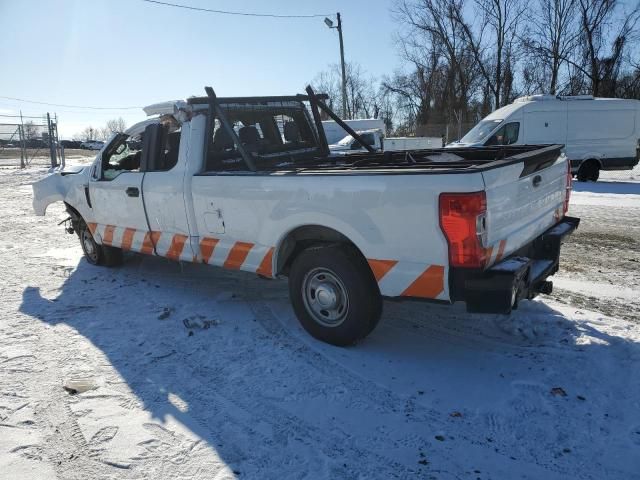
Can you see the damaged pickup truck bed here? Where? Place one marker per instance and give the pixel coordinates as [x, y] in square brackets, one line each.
[249, 184]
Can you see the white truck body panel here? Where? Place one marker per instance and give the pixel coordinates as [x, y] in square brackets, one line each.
[392, 144]
[604, 129]
[516, 210]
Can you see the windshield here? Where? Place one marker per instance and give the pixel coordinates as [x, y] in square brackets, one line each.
[480, 131]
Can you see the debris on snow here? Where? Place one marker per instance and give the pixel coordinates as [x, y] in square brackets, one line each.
[166, 313]
[558, 392]
[199, 322]
[77, 385]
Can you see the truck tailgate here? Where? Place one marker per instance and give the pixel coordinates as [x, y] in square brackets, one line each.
[523, 200]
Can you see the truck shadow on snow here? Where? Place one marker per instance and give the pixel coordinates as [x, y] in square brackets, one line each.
[223, 355]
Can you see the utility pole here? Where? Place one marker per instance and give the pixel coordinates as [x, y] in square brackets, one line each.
[52, 147]
[344, 75]
[23, 144]
[329, 24]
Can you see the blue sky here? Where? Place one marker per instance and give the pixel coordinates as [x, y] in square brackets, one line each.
[130, 53]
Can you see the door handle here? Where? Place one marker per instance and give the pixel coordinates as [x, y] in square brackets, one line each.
[536, 180]
[133, 191]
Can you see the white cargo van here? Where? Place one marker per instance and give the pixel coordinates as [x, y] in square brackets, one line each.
[598, 133]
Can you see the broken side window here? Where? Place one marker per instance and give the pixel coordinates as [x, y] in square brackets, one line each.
[122, 155]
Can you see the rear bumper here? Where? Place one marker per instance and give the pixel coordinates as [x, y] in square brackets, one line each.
[523, 275]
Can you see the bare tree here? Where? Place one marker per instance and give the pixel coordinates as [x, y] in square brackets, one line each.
[116, 125]
[443, 77]
[363, 98]
[601, 56]
[89, 134]
[30, 130]
[494, 51]
[553, 36]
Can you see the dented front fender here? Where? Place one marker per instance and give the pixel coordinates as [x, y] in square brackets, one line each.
[65, 186]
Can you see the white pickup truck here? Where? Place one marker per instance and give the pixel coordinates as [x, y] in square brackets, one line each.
[248, 184]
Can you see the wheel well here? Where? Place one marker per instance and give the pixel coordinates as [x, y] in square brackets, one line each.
[592, 160]
[304, 237]
[72, 211]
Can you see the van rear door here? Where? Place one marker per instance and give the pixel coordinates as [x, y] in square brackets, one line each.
[524, 198]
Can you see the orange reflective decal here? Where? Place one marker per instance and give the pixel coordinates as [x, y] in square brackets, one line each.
[127, 238]
[266, 266]
[488, 252]
[92, 227]
[108, 234]
[237, 255]
[207, 246]
[177, 245]
[147, 244]
[503, 243]
[428, 285]
[381, 267]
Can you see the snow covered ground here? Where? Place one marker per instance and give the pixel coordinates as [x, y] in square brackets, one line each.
[194, 372]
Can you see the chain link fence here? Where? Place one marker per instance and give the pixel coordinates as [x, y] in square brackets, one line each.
[23, 144]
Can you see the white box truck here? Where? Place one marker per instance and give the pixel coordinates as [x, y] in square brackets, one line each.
[598, 133]
[376, 139]
[335, 132]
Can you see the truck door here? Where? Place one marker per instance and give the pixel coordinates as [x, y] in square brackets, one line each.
[114, 195]
[163, 189]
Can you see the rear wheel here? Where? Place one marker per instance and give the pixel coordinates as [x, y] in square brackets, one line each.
[589, 171]
[334, 294]
[97, 254]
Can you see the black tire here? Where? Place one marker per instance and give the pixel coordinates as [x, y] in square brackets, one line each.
[97, 254]
[320, 274]
[589, 171]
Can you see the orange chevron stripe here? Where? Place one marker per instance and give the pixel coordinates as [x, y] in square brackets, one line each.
[380, 267]
[428, 285]
[127, 238]
[503, 243]
[237, 255]
[176, 247]
[108, 234]
[207, 246]
[266, 266]
[92, 227]
[487, 255]
[147, 244]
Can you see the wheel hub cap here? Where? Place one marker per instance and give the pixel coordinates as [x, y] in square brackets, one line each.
[325, 297]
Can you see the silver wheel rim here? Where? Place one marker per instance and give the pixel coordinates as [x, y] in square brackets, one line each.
[325, 297]
[88, 245]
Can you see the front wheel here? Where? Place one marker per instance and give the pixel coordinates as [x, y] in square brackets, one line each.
[97, 254]
[334, 294]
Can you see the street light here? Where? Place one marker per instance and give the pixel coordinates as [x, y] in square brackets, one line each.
[329, 23]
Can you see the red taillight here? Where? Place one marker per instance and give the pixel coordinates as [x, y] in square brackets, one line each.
[567, 194]
[463, 222]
